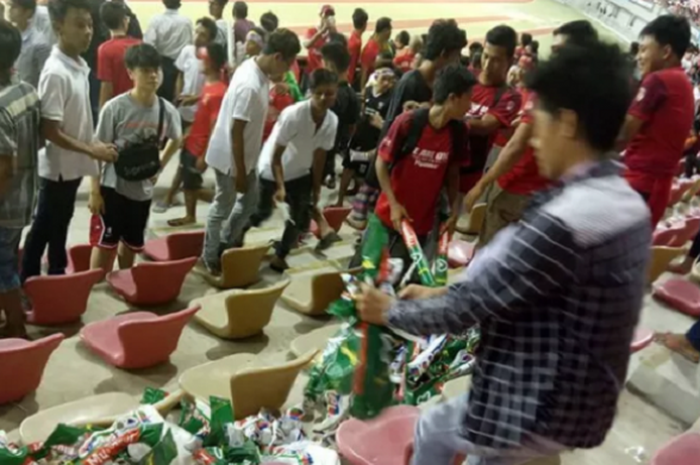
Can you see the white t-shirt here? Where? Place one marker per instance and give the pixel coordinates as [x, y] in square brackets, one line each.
[169, 33]
[65, 96]
[296, 130]
[247, 99]
[193, 79]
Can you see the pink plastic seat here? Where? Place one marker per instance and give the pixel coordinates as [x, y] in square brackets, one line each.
[151, 283]
[334, 216]
[678, 189]
[22, 365]
[460, 253]
[79, 258]
[683, 450]
[138, 339]
[382, 441]
[60, 299]
[690, 229]
[680, 294]
[667, 236]
[642, 338]
[175, 246]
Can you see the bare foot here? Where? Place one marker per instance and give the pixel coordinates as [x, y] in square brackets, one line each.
[683, 267]
[182, 221]
[678, 343]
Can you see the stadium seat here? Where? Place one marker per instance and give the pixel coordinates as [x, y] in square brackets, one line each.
[460, 253]
[682, 450]
[151, 283]
[175, 246]
[79, 258]
[335, 216]
[137, 339]
[311, 294]
[239, 313]
[680, 294]
[22, 365]
[240, 267]
[476, 219]
[73, 289]
[691, 226]
[661, 258]
[642, 338]
[313, 340]
[667, 236]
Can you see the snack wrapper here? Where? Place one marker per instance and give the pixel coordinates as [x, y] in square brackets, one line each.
[441, 265]
[153, 396]
[417, 255]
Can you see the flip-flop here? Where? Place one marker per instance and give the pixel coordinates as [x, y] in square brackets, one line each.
[180, 222]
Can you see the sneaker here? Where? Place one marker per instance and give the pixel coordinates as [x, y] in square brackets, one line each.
[203, 265]
[161, 207]
[327, 241]
[278, 264]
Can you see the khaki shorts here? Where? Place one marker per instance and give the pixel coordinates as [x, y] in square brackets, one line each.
[502, 209]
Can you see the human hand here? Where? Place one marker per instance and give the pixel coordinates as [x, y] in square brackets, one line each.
[241, 183]
[96, 203]
[411, 105]
[373, 305]
[187, 100]
[201, 164]
[280, 195]
[416, 292]
[473, 196]
[376, 120]
[450, 225]
[104, 152]
[398, 213]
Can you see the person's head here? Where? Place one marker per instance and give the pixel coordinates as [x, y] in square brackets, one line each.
[255, 42]
[383, 79]
[72, 22]
[533, 48]
[280, 51]
[402, 40]
[11, 45]
[205, 32]
[269, 21]
[142, 62]
[476, 61]
[240, 10]
[453, 90]
[336, 57]
[323, 84]
[382, 29]
[335, 36]
[634, 49]
[577, 32]
[525, 39]
[475, 47]
[212, 58]
[444, 43]
[583, 93]
[21, 11]
[172, 4]
[216, 8]
[327, 15]
[663, 43]
[497, 56]
[114, 16]
[360, 19]
[416, 44]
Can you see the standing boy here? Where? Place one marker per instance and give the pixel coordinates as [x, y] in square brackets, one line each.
[292, 161]
[235, 145]
[36, 46]
[19, 146]
[317, 37]
[111, 70]
[136, 121]
[169, 33]
[67, 126]
[378, 43]
[216, 11]
[359, 26]
[241, 27]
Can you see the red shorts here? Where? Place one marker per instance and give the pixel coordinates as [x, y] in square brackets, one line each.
[656, 191]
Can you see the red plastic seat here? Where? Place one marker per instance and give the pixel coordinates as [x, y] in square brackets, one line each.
[138, 339]
[151, 283]
[668, 236]
[680, 294]
[678, 189]
[382, 441]
[690, 229]
[334, 216]
[22, 365]
[460, 253]
[79, 258]
[60, 299]
[175, 246]
[683, 450]
[642, 338]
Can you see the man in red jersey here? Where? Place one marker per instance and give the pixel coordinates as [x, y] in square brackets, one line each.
[661, 116]
[359, 24]
[376, 44]
[213, 59]
[494, 104]
[317, 37]
[515, 172]
[111, 70]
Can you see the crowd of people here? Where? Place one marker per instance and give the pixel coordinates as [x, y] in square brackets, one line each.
[426, 127]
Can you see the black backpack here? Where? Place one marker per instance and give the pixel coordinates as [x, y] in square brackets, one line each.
[141, 161]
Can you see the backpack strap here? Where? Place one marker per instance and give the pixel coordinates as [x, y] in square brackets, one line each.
[161, 118]
[458, 134]
[419, 120]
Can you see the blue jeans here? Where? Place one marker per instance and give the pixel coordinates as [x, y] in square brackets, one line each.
[9, 258]
[693, 335]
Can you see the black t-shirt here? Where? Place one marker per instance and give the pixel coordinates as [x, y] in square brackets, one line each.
[347, 109]
[366, 137]
[411, 86]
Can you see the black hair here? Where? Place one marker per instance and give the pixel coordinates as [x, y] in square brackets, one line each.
[591, 80]
[337, 54]
[454, 79]
[29, 5]
[322, 77]
[670, 30]
[284, 42]
[217, 54]
[634, 48]
[143, 56]
[383, 24]
[476, 60]
[58, 9]
[404, 37]
[535, 46]
[359, 18]
[172, 4]
[503, 36]
[113, 14]
[240, 10]
[222, 3]
[444, 38]
[338, 37]
[525, 39]
[210, 25]
[11, 45]
[475, 47]
[577, 32]
[269, 21]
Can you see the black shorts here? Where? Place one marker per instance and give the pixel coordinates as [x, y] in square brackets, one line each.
[191, 177]
[359, 167]
[123, 220]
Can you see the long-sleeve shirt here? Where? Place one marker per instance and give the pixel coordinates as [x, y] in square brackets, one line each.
[557, 297]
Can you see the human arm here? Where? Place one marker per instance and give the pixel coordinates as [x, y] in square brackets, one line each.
[651, 95]
[173, 134]
[453, 196]
[106, 92]
[500, 115]
[8, 152]
[313, 35]
[278, 172]
[386, 155]
[317, 171]
[179, 84]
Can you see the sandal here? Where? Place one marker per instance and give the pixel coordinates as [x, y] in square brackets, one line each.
[175, 222]
[679, 344]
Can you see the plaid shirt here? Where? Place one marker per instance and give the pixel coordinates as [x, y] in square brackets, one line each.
[557, 296]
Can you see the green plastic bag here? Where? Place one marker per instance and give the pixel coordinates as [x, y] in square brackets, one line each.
[221, 415]
[247, 454]
[152, 396]
[163, 453]
[336, 369]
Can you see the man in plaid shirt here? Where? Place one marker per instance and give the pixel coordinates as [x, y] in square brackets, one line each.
[557, 295]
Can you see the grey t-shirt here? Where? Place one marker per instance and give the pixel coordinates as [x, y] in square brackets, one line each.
[124, 121]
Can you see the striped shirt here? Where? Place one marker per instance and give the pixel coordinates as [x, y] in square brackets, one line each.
[20, 112]
[36, 48]
[557, 297]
